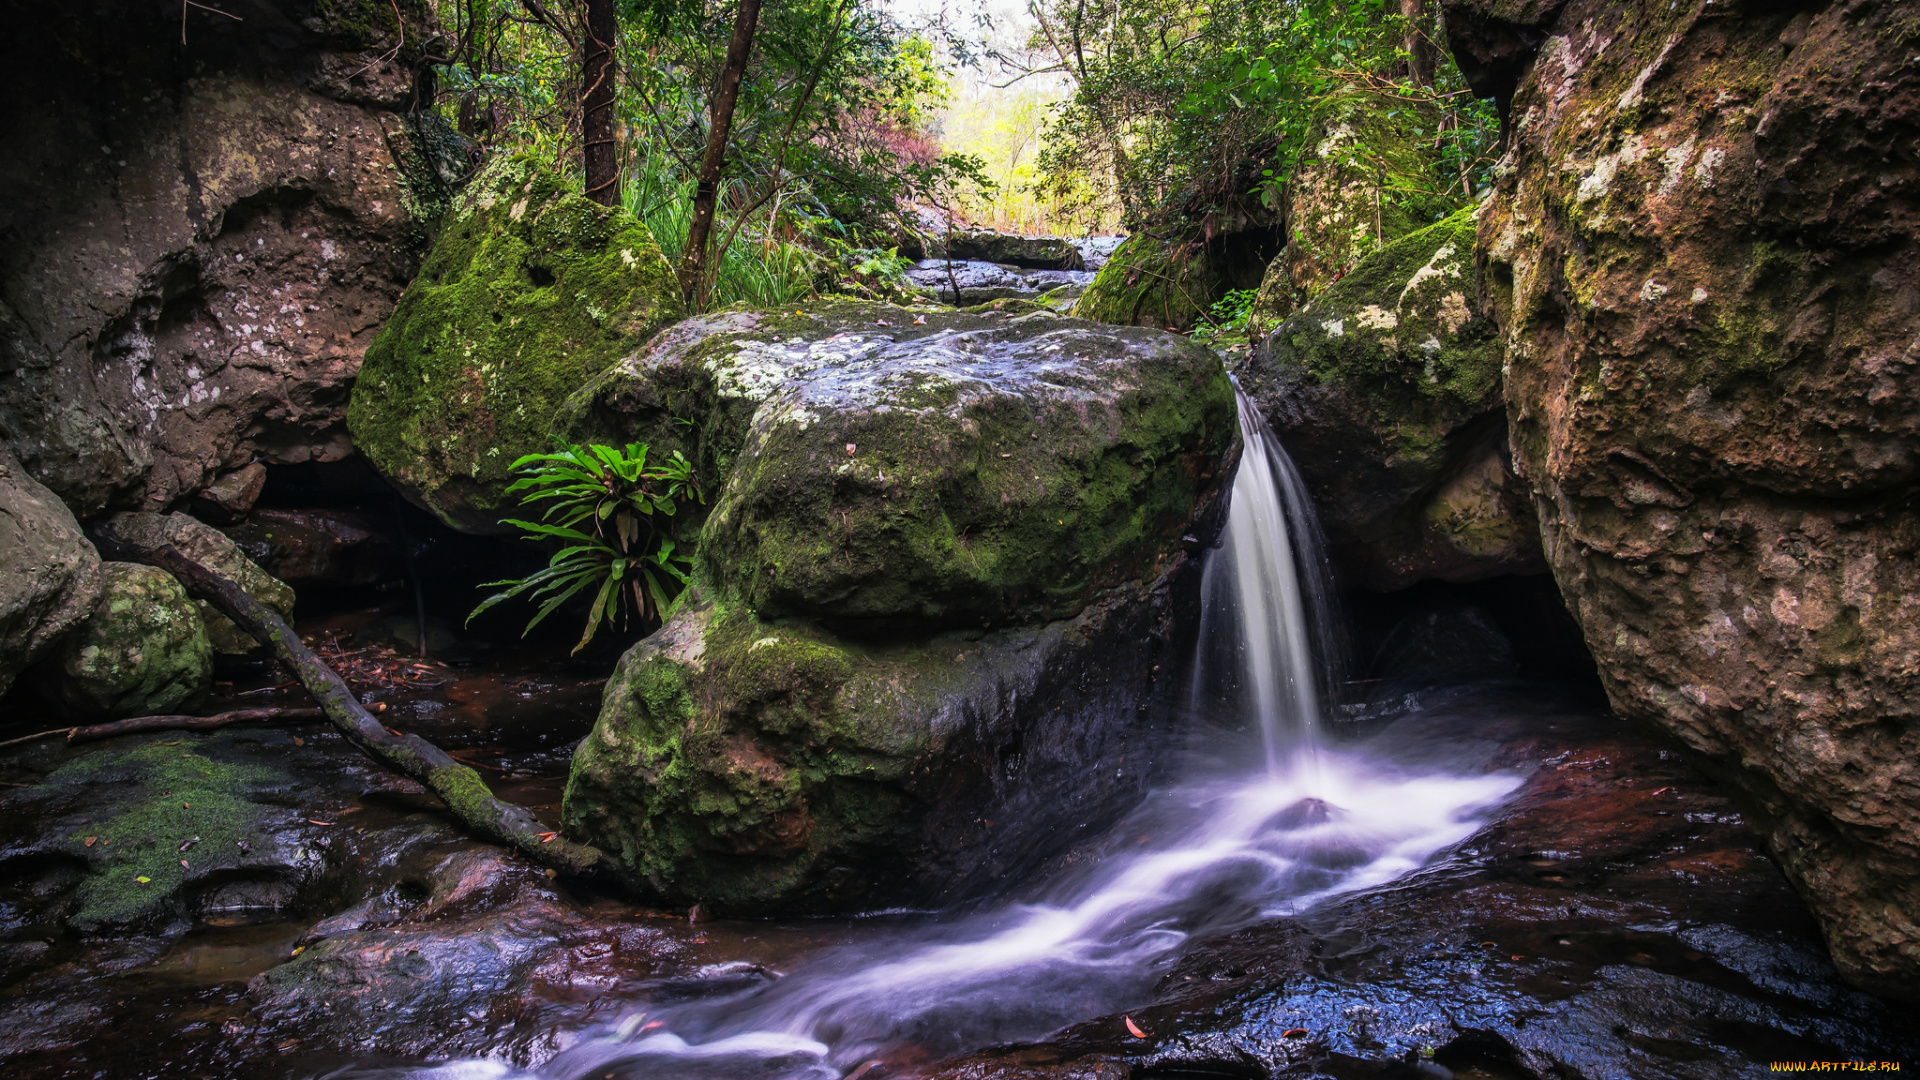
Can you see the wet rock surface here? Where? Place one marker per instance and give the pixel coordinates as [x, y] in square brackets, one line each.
[1702, 258]
[1619, 920]
[142, 650]
[320, 548]
[981, 282]
[1011, 249]
[212, 549]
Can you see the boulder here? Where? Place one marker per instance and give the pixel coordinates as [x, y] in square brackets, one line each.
[939, 580]
[1365, 177]
[197, 250]
[1702, 256]
[530, 292]
[49, 572]
[1152, 282]
[229, 498]
[212, 549]
[1386, 390]
[321, 548]
[1011, 249]
[142, 651]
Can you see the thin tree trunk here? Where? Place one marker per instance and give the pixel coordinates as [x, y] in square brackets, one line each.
[693, 261]
[598, 155]
[457, 785]
[1420, 62]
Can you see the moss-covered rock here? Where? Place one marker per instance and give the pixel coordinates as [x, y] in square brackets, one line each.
[1152, 282]
[49, 572]
[954, 470]
[142, 651]
[1386, 389]
[530, 291]
[1365, 177]
[212, 549]
[764, 766]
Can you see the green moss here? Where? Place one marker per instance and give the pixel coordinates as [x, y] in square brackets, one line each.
[156, 797]
[530, 292]
[1404, 333]
[144, 649]
[1151, 282]
[735, 759]
[1365, 178]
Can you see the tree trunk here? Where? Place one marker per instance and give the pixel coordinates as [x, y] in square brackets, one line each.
[599, 156]
[693, 261]
[1420, 60]
[456, 784]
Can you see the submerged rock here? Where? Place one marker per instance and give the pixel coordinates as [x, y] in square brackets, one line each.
[797, 737]
[1386, 390]
[531, 291]
[322, 548]
[142, 651]
[212, 549]
[1705, 279]
[49, 571]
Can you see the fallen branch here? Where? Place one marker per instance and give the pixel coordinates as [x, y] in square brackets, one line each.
[169, 722]
[457, 785]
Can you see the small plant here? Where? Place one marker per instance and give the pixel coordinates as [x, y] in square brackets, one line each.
[614, 512]
[1226, 319]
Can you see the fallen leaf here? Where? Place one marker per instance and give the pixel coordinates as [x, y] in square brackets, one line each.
[143, 879]
[546, 837]
[186, 806]
[1133, 1028]
[298, 741]
[89, 841]
[299, 949]
[184, 866]
[312, 821]
[1294, 1033]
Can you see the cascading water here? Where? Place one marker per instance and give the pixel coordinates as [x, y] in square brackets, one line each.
[1220, 852]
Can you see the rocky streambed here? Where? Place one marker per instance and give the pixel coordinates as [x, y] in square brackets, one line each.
[303, 911]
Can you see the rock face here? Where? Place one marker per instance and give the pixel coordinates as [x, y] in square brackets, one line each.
[1702, 254]
[531, 291]
[1363, 180]
[324, 548]
[1152, 282]
[1386, 391]
[1011, 249]
[212, 549]
[831, 723]
[142, 651]
[200, 239]
[49, 571]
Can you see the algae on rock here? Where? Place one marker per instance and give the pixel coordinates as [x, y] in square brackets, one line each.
[823, 723]
[1152, 282]
[142, 651]
[1386, 389]
[530, 291]
[212, 549]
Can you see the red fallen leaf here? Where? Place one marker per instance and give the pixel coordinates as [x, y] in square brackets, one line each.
[184, 866]
[546, 837]
[1133, 1028]
[1294, 1033]
[1663, 791]
[315, 821]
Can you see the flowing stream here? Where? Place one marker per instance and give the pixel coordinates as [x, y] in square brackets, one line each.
[1308, 821]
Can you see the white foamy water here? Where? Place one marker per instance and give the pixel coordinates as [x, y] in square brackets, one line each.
[1306, 822]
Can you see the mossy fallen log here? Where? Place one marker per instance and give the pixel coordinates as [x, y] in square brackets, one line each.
[457, 785]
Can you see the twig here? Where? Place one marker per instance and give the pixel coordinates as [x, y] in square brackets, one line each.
[457, 785]
[169, 722]
[184, 4]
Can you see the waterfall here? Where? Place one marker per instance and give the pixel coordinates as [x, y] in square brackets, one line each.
[1207, 856]
[1265, 603]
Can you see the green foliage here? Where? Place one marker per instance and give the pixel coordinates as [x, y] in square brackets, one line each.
[1198, 112]
[764, 263]
[1226, 319]
[614, 515]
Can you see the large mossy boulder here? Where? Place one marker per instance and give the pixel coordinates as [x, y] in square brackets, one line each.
[49, 571]
[142, 651]
[1152, 282]
[212, 549]
[1386, 389]
[1366, 176]
[530, 292]
[949, 555]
